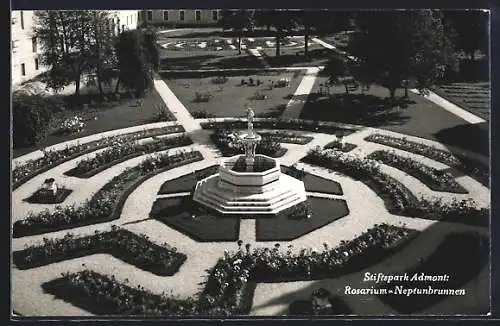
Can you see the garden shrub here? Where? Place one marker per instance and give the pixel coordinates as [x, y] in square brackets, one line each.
[397, 198]
[477, 170]
[31, 118]
[106, 204]
[132, 248]
[435, 179]
[123, 150]
[104, 295]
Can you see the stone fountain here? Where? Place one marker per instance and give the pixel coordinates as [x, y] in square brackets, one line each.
[249, 183]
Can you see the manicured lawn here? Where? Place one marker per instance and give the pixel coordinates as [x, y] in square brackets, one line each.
[314, 183]
[125, 114]
[207, 226]
[461, 256]
[187, 182]
[229, 99]
[474, 97]
[283, 228]
[421, 117]
[194, 60]
[294, 56]
[339, 40]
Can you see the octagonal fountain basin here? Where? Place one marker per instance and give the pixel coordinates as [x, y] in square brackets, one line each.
[263, 191]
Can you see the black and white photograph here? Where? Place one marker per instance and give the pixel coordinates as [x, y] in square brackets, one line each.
[219, 163]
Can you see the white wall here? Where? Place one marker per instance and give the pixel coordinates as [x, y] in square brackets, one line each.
[22, 47]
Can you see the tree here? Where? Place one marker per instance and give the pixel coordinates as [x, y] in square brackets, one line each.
[471, 27]
[396, 46]
[338, 70]
[237, 21]
[65, 47]
[102, 60]
[137, 54]
[282, 21]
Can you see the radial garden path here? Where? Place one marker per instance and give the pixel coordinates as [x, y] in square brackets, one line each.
[365, 210]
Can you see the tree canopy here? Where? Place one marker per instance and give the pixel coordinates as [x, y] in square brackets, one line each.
[396, 46]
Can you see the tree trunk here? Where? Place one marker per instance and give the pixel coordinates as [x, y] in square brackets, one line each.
[99, 83]
[306, 41]
[239, 44]
[472, 55]
[406, 89]
[392, 93]
[346, 88]
[117, 87]
[278, 37]
[77, 85]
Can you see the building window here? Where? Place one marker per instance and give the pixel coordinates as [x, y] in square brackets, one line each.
[215, 15]
[197, 14]
[150, 15]
[127, 20]
[33, 44]
[36, 63]
[181, 15]
[165, 14]
[23, 69]
[22, 20]
[138, 16]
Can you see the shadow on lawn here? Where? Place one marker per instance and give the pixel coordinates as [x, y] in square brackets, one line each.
[361, 109]
[463, 265]
[473, 137]
[187, 62]
[316, 56]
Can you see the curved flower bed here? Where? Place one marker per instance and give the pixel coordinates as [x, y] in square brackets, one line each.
[107, 203]
[338, 145]
[435, 179]
[228, 280]
[397, 198]
[275, 123]
[395, 195]
[52, 158]
[121, 151]
[134, 249]
[475, 169]
[228, 143]
[103, 295]
[230, 284]
[282, 136]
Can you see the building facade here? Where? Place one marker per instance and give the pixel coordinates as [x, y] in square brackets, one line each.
[182, 17]
[25, 49]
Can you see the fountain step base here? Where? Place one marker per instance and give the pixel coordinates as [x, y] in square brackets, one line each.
[287, 192]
